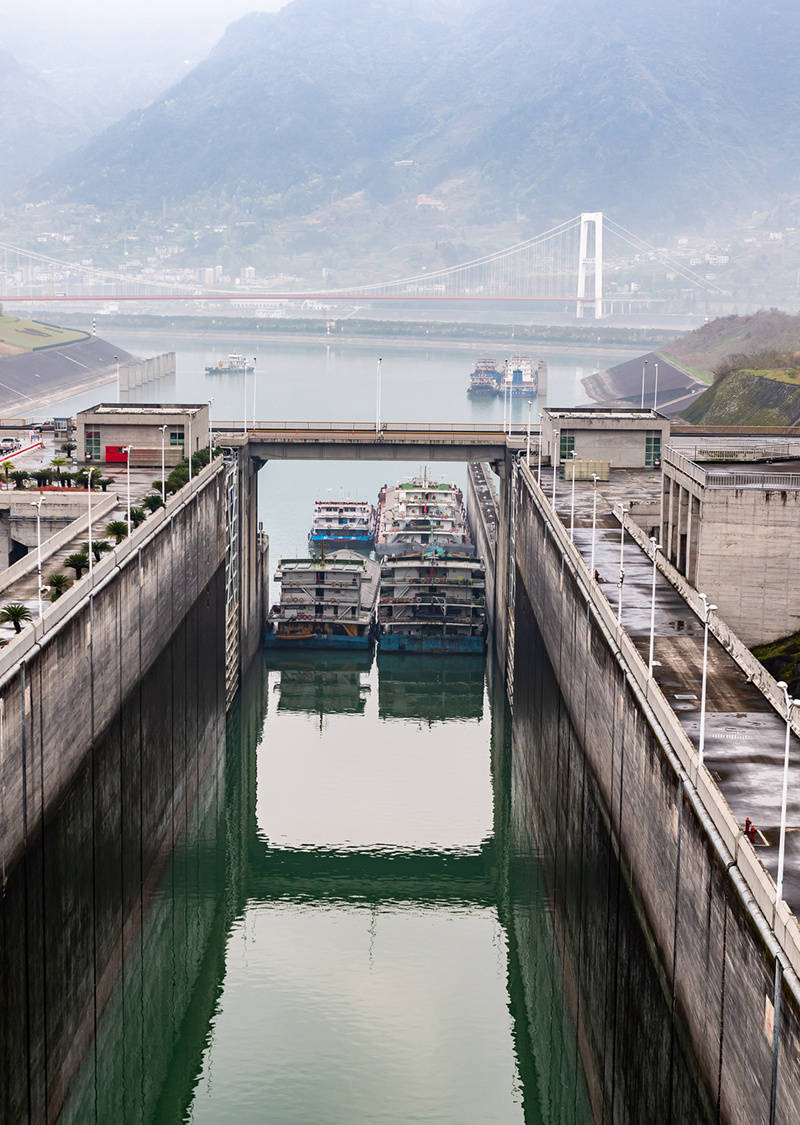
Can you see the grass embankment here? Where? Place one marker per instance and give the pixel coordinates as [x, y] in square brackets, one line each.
[703, 350]
[747, 398]
[782, 660]
[17, 336]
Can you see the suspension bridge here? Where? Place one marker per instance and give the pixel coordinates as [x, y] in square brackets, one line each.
[568, 264]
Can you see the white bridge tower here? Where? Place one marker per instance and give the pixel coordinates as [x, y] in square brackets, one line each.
[594, 260]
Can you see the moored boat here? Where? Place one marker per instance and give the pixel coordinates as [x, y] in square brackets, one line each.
[416, 514]
[327, 602]
[432, 602]
[485, 379]
[342, 523]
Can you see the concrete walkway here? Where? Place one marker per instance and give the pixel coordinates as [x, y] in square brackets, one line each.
[744, 738]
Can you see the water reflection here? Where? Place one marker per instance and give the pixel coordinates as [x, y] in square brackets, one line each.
[377, 912]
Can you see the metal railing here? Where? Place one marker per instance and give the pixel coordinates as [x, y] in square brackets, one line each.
[363, 429]
[720, 478]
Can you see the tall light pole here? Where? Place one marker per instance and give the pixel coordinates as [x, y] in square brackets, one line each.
[644, 371]
[505, 405]
[539, 468]
[89, 482]
[528, 450]
[572, 506]
[37, 504]
[553, 463]
[789, 703]
[655, 390]
[254, 389]
[656, 548]
[622, 512]
[119, 392]
[707, 610]
[163, 469]
[378, 397]
[189, 420]
[595, 479]
[128, 449]
[244, 398]
[210, 432]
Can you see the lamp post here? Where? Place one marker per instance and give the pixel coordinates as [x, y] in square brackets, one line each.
[37, 504]
[163, 469]
[378, 396]
[707, 610]
[656, 548]
[539, 468]
[528, 450]
[254, 390]
[89, 482]
[210, 433]
[790, 703]
[116, 360]
[644, 371]
[189, 420]
[572, 506]
[505, 406]
[128, 449]
[553, 463]
[622, 511]
[655, 391]
[595, 479]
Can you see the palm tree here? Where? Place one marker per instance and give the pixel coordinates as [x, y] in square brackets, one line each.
[19, 476]
[68, 447]
[7, 467]
[42, 476]
[138, 515]
[104, 482]
[118, 529]
[78, 562]
[152, 502]
[99, 547]
[58, 464]
[58, 583]
[15, 613]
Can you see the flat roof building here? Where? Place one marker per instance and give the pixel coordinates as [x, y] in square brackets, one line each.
[105, 431]
[627, 438]
[732, 528]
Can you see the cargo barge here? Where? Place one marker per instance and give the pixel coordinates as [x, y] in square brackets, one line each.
[519, 378]
[432, 602]
[235, 364]
[328, 602]
[342, 523]
[485, 379]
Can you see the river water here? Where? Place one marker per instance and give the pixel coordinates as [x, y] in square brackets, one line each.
[355, 924]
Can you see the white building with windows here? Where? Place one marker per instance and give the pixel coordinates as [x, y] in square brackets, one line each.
[104, 432]
[628, 438]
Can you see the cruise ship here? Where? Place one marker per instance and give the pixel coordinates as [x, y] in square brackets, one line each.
[342, 523]
[432, 602]
[421, 513]
[327, 602]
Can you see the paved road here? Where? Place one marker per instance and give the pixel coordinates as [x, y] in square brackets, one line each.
[744, 736]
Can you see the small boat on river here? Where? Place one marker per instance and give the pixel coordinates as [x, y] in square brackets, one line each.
[235, 364]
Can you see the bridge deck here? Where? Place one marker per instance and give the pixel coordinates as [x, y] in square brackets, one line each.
[392, 441]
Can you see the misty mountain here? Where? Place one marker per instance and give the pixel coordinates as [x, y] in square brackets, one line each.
[35, 124]
[494, 112]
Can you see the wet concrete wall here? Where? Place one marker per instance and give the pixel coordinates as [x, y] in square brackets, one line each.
[91, 999]
[713, 957]
[64, 679]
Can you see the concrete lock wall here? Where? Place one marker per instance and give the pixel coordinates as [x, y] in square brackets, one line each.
[699, 887]
[64, 679]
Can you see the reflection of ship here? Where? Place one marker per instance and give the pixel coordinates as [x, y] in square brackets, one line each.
[432, 602]
[430, 689]
[235, 364]
[485, 379]
[521, 380]
[321, 684]
[342, 523]
[327, 602]
[417, 514]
